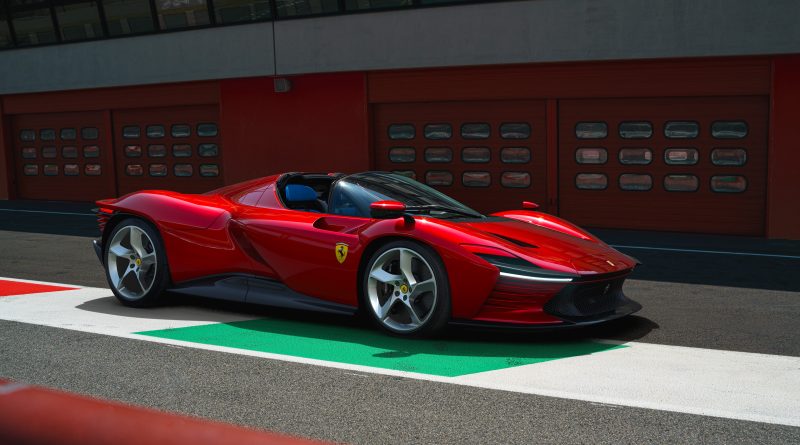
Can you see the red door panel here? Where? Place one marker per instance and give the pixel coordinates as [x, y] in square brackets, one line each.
[168, 148]
[64, 156]
[687, 164]
[489, 155]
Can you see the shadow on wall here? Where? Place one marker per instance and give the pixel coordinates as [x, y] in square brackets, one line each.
[56, 218]
[694, 261]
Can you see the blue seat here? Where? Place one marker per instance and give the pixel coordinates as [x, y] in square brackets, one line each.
[300, 193]
[303, 197]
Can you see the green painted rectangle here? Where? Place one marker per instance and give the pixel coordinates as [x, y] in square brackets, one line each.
[365, 347]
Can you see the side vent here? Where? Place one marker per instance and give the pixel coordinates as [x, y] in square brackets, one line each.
[239, 237]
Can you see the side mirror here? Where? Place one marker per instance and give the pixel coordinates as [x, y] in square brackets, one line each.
[529, 205]
[387, 209]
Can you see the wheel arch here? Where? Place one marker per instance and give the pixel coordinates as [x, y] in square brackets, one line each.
[117, 218]
[375, 244]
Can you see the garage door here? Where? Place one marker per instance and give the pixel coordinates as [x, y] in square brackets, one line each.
[64, 156]
[490, 155]
[168, 148]
[693, 165]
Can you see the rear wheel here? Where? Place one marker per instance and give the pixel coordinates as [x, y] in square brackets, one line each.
[405, 289]
[136, 266]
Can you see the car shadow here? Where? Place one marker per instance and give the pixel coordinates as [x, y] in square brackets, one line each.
[172, 309]
[354, 336]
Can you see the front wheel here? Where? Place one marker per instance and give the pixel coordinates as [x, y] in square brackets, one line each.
[135, 262]
[405, 289]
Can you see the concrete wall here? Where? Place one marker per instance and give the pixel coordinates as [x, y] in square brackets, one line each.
[214, 53]
[539, 31]
[490, 33]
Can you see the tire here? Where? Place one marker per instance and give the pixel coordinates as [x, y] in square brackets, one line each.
[136, 263]
[403, 306]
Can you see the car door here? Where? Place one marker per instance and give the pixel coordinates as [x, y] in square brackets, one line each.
[314, 254]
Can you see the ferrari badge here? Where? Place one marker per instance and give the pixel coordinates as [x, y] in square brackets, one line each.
[341, 252]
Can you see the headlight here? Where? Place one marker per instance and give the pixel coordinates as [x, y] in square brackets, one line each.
[517, 268]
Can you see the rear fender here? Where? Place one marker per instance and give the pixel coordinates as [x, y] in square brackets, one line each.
[172, 210]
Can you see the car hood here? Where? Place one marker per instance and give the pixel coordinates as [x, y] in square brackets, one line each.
[552, 249]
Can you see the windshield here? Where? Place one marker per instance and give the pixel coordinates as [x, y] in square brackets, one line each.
[353, 194]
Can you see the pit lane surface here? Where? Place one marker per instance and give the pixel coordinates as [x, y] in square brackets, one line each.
[753, 310]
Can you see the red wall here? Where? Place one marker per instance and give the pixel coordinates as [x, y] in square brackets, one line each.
[320, 125]
[783, 199]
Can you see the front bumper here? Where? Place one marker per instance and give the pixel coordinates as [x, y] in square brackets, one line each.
[589, 300]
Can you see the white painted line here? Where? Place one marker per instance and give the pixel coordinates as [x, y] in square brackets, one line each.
[715, 252]
[728, 384]
[47, 211]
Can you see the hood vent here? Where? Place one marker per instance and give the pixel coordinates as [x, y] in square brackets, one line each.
[516, 241]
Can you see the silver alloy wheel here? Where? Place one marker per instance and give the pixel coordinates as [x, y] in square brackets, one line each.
[402, 289]
[131, 262]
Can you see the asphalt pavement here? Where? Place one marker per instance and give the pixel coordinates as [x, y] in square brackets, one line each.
[691, 297]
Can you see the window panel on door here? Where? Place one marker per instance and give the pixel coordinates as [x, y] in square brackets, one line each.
[438, 131]
[476, 155]
[438, 177]
[68, 134]
[515, 155]
[69, 152]
[49, 152]
[29, 153]
[438, 154]
[157, 150]
[402, 155]
[476, 179]
[597, 155]
[591, 181]
[401, 131]
[729, 156]
[728, 183]
[515, 130]
[729, 129]
[681, 130]
[155, 131]
[591, 130]
[91, 151]
[93, 169]
[515, 179]
[477, 130]
[681, 183]
[635, 182]
[131, 132]
[681, 156]
[72, 170]
[635, 156]
[209, 170]
[207, 150]
[635, 130]
[50, 169]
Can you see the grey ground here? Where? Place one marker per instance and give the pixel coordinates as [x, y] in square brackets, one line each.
[710, 301]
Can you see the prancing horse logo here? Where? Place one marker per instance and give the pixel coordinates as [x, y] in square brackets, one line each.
[341, 252]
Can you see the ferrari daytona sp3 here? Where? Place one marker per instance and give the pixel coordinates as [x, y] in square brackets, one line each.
[410, 257]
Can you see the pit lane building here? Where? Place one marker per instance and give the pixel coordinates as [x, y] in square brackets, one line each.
[663, 115]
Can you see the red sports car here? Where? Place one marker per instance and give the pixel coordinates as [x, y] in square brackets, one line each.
[411, 257]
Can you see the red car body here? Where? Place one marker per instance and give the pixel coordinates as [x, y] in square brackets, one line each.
[245, 232]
